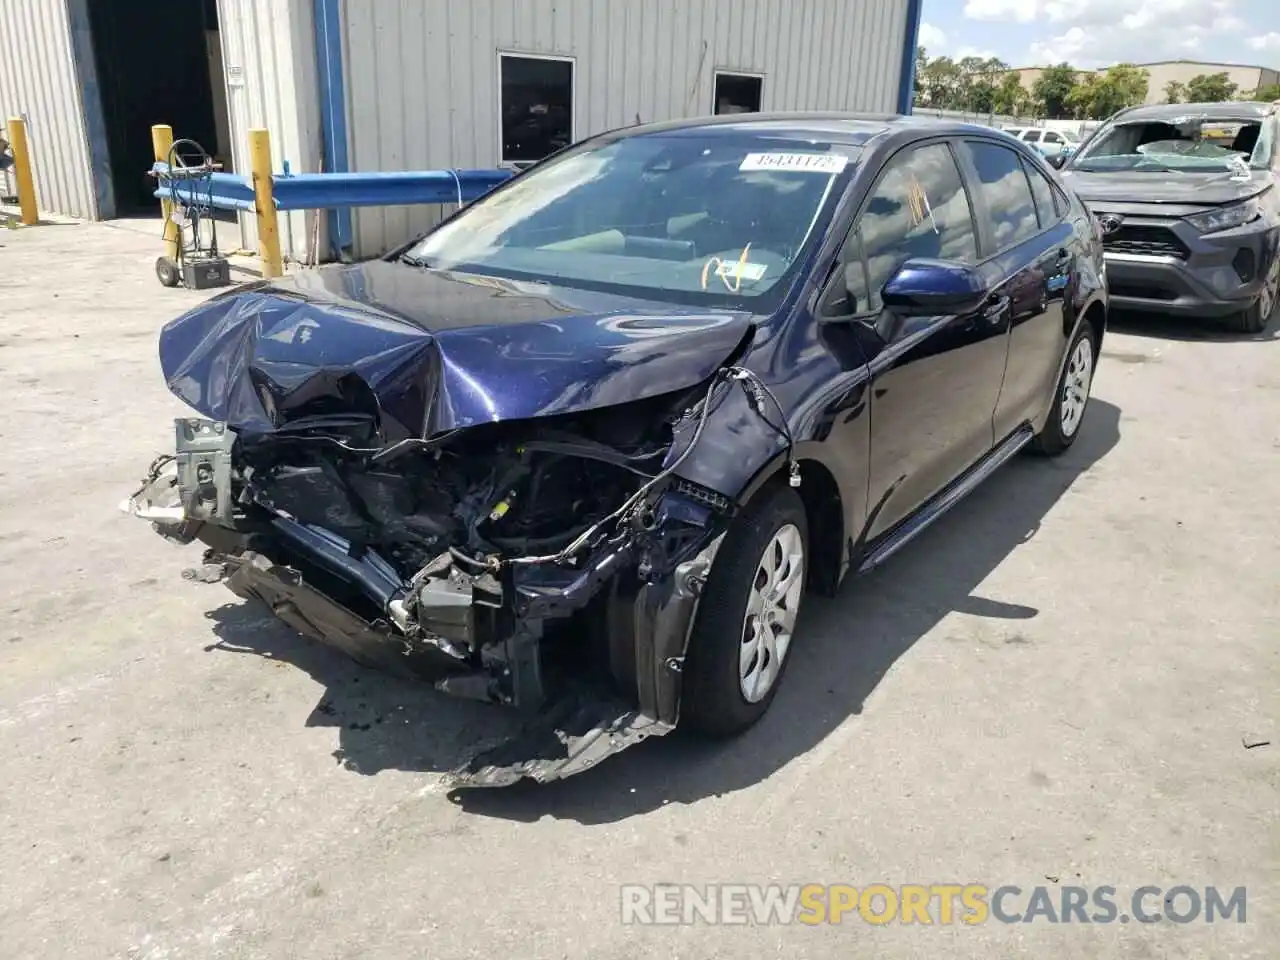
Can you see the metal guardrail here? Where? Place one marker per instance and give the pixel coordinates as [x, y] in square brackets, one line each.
[328, 191]
[264, 192]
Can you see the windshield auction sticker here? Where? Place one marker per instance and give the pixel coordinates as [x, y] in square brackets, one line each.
[827, 163]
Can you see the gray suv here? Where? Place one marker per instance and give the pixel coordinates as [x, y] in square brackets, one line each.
[1186, 202]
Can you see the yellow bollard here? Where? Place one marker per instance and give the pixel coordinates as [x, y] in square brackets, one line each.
[161, 143]
[22, 171]
[268, 230]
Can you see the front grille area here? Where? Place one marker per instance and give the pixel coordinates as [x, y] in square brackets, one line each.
[1142, 291]
[1150, 241]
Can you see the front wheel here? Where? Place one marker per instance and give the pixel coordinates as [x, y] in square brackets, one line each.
[1071, 397]
[739, 647]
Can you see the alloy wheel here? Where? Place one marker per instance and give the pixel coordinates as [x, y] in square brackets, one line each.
[770, 619]
[1075, 386]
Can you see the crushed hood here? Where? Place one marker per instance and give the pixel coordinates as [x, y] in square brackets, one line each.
[426, 351]
[1198, 190]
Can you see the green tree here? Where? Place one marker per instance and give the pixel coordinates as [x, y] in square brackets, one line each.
[1053, 87]
[941, 83]
[1098, 96]
[1266, 94]
[922, 63]
[982, 96]
[1010, 95]
[1082, 97]
[1124, 85]
[1175, 92]
[1210, 88]
[970, 85]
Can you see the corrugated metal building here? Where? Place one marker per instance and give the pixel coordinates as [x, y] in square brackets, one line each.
[413, 84]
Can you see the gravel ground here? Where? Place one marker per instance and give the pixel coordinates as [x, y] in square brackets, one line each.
[1051, 687]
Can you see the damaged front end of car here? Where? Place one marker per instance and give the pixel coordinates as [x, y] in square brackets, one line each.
[550, 564]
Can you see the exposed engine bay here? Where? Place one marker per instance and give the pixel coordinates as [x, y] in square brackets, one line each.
[551, 564]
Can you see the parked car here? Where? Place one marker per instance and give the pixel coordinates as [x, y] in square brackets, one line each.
[1056, 145]
[584, 447]
[1191, 220]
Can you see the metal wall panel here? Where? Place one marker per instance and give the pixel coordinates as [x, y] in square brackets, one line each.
[38, 81]
[422, 77]
[268, 56]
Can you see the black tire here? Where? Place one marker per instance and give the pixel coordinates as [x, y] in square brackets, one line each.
[167, 271]
[713, 703]
[1256, 318]
[1054, 438]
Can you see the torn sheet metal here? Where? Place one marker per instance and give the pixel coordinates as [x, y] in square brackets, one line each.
[311, 613]
[575, 736]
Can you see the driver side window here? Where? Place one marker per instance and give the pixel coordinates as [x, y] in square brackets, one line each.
[919, 208]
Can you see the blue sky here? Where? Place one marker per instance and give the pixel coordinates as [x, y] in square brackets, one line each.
[1092, 33]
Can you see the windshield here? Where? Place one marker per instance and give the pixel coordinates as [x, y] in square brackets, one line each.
[1184, 145]
[716, 218]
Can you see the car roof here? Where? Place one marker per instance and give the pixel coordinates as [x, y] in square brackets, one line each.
[851, 129]
[1231, 110]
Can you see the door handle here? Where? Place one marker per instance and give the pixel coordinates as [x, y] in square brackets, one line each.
[995, 308]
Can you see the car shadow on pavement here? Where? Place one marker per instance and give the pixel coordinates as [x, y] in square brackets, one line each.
[1159, 326]
[384, 722]
[845, 647]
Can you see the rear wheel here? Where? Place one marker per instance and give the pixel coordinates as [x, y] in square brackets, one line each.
[1071, 397]
[746, 621]
[1256, 318]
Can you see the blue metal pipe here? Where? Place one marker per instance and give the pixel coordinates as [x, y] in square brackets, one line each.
[222, 191]
[333, 114]
[334, 191]
[318, 191]
[911, 40]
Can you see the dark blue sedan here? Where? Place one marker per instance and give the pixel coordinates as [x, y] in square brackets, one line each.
[583, 448]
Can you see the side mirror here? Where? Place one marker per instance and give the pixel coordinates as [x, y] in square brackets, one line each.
[1057, 161]
[933, 287]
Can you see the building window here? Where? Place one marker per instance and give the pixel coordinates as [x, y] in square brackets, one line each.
[737, 93]
[536, 107]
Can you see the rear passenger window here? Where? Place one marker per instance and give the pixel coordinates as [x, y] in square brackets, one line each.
[1004, 187]
[1052, 137]
[918, 209]
[1042, 192]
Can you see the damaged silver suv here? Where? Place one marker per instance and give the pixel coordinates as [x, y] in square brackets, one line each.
[1186, 197]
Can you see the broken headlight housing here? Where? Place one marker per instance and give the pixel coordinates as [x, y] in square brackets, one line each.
[1226, 218]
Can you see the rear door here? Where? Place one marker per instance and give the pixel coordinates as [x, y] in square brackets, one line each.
[935, 380]
[1031, 250]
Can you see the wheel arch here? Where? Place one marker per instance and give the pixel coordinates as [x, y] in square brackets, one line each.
[824, 508]
[1096, 316]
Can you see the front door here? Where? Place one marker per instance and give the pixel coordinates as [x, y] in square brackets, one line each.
[934, 380]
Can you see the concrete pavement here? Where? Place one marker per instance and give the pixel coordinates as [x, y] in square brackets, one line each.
[1050, 687]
